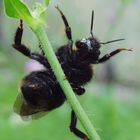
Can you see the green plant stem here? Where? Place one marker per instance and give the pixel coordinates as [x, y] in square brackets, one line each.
[52, 59]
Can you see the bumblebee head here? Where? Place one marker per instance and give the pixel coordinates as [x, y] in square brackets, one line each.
[89, 48]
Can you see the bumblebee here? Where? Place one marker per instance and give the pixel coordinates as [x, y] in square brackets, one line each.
[40, 91]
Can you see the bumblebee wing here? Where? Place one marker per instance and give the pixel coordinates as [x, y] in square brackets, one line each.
[26, 111]
[22, 108]
[33, 116]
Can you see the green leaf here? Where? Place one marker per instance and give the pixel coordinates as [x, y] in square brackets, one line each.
[17, 9]
[47, 2]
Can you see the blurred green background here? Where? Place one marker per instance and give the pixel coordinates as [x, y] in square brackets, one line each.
[112, 99]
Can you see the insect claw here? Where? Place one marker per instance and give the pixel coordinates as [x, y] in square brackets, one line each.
[124, 49]
[65, 78]
[57, 7]
[21, 24]
[130, 49]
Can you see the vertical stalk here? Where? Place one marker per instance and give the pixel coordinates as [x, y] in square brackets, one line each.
[52, 59]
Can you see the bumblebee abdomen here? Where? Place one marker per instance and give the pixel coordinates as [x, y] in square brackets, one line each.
[41, 91]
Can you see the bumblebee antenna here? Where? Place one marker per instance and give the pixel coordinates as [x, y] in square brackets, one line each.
[104, 43]
[91, 28]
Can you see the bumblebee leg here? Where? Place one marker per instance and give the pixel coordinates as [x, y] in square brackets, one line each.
[73, 128]
[24, 50]
[17, 41]
[107, 56]
[67, 27]
[67, 30]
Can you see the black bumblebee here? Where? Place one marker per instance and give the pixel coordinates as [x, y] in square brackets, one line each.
[40, 91]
